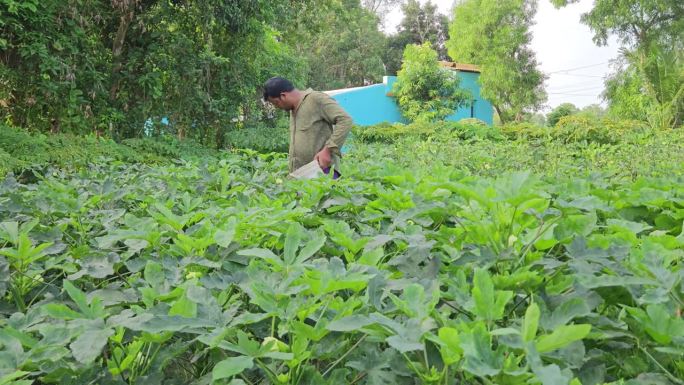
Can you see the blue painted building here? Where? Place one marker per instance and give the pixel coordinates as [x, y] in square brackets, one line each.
[374, 104]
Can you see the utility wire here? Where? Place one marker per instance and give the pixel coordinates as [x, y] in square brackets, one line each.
[578, 68]
[581, 75]
[577, 89]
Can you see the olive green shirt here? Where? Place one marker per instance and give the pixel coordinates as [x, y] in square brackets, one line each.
[317, 122]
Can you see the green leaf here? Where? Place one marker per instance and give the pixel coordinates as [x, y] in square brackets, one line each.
[61, 311]
[480, 359]
[404, 343]
[89, 344]
[265, 254]
[450, 348]
[11, 378]
[154, 273]
[225, 236]
[78, 297]
[230, 367]
[561, 337]
[311, 248]
[531, 322]
[350, 323]
[184, 307]
[292, 241]
[567, 311]
[489, 304]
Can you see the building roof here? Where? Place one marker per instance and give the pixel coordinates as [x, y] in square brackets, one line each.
[460, 66]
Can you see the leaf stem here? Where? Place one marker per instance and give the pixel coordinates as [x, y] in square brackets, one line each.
[344, 355]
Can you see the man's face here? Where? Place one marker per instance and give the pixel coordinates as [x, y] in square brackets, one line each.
[280, 102]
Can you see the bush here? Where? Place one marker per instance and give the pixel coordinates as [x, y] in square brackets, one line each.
[260, 137]
[390, 132]
[424, 90]
[578, 128]
[20, 150]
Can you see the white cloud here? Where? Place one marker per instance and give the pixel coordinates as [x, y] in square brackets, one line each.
[562, 45]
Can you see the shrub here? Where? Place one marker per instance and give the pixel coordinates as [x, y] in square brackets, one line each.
[424, 90]
[578, 128]
[260, 137]
[20, 150]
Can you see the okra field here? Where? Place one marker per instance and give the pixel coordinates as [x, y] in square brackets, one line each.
[224, 271]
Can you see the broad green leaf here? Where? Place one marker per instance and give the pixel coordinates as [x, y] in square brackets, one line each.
[311, 248]
[184, 307]
[25, 339]
[61, 311]
[450, 349]
[265, 254]
[292, 241]
[350, 323]
[231, 366]
[480, 359]
[13, 378]
[89, 344]
[531, 322]
[593, 282]
[404, 343]
[567, 311]
[489, 303]
[225, 236]
[154, 273]
[9, 231]
[78, 297]
[633, 227]
[659, 323]
[561, 337]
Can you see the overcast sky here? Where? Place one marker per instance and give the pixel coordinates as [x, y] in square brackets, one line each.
[562, 45]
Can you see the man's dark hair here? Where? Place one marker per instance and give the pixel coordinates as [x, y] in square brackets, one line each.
[275, 86]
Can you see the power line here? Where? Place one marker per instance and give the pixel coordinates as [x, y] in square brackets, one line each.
[578, 68]
[581, 75]
[574, 89]
[566, 94]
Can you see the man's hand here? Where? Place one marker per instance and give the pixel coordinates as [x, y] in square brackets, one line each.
[324, 158]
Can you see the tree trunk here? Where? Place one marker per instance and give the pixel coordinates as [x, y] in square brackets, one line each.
[498, 112]
[128, 12]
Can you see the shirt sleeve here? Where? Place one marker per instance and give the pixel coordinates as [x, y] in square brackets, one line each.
[342, 123]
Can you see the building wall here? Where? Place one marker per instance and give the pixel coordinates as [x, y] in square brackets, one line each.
[371, 105]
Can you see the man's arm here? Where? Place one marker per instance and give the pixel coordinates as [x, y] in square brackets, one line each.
[342, 123]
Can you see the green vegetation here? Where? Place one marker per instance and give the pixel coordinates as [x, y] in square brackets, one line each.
[426, 92]
[436, 260]
[495, 35]
[149, 234]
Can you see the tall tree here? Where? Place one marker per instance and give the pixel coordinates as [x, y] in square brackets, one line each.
[381, 7]
[110, 65]
[426, 91]
[652, 35]
[420, 24]
[495, 35]
[343, 47]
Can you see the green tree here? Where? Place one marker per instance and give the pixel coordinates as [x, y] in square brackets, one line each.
[341, 44]
[109, 66]
[565, 109]
[420, 24]
[651, 35]
[495, 34]
[424, 90]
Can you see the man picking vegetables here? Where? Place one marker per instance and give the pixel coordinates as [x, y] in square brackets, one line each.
[318, 125]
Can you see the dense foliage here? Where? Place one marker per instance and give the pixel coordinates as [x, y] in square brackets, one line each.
[495, 35]
[433, 261]
[425, 91]
[649, 84]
